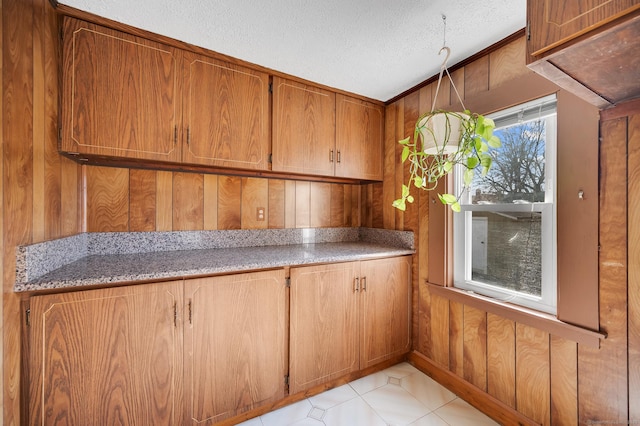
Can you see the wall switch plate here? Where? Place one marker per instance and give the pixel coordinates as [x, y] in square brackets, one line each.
[260, 213]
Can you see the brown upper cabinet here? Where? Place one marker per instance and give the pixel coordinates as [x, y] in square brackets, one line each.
[589, 47]
[304, 128]
[319, 132]
[121, 94]
[226, 113]
[126, 97]
[359, 138]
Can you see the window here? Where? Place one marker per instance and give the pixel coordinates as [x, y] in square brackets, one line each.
[505, 234]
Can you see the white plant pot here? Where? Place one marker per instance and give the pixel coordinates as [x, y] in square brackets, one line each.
[441, 132]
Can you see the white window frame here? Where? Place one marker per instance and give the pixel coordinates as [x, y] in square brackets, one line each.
[462, 225]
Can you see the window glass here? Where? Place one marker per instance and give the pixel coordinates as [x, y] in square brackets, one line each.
[504, 236]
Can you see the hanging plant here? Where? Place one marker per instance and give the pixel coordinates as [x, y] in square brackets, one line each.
[441, 141]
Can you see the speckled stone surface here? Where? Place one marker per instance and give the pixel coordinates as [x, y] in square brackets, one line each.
[111, 257]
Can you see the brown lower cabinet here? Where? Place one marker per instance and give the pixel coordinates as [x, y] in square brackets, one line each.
[108, 356]
[203, 350]
[346, 317]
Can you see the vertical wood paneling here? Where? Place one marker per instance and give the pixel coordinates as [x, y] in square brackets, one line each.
[188, 201]
[289, 204]
[366, 213]
[229, 202]
[17, 201]
[210, 220]
[4, 416]
[411, 113]
[70, 195]
[399, 174]
[303, 205]
[532, 374]
[107, 199]
[421, 325]
[142, 200]
[388, 184]
[320, 204]
[164, 201]
[476, 77]
[356, 205]
[634, 267]
[53, 161]
[564, 382]
[276, 203]
[377, 220]
[501, 359]
[348, 200]
[38, 231]
[602, 373]
[507, 63]
[255, 194]
[440, 330]
[456, 338]
[337, 205]
[475, 347]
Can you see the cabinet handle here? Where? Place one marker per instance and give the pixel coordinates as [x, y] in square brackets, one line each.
[175, 135]
[338, 156]
[331, 156]
[364, 283]
[190, 312]
[356, 284]
[188, 136]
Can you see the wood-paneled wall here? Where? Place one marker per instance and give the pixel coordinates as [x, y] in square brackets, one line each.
[549, 379]
[40, 189]
[121, 200]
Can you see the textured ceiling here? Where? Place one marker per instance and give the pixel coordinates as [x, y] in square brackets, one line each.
[375, 48]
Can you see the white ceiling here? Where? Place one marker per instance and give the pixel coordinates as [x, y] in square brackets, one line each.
[375, 48]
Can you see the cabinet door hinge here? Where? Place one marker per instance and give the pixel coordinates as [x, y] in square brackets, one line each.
[287, 282]
[286, 380]
[270, 158]
[528, 30]
[28, 317]
[60, 134]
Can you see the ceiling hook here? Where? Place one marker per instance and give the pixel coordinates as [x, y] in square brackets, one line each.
[444, 63]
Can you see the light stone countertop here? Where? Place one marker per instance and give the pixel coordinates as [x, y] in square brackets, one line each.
[115, 266]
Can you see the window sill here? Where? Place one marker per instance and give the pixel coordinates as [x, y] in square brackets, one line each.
[519, 314]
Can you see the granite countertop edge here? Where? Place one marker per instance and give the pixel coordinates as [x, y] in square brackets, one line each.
[129, 268]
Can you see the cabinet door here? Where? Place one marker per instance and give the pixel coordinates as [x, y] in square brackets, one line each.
[121, 94]
[108, 356]
[385, 309]
[234, 344]
[359, 138]
[553, 22]
[324, 324]
[226, 114]
[303, 128]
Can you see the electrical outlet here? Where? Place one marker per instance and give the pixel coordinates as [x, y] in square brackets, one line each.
[260, 213]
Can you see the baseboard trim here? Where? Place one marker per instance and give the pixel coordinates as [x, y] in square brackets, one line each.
[492, 407]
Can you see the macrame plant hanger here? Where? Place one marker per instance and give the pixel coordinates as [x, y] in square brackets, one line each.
[443, 67]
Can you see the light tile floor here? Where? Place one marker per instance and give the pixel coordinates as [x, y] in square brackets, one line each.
[399, 395]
